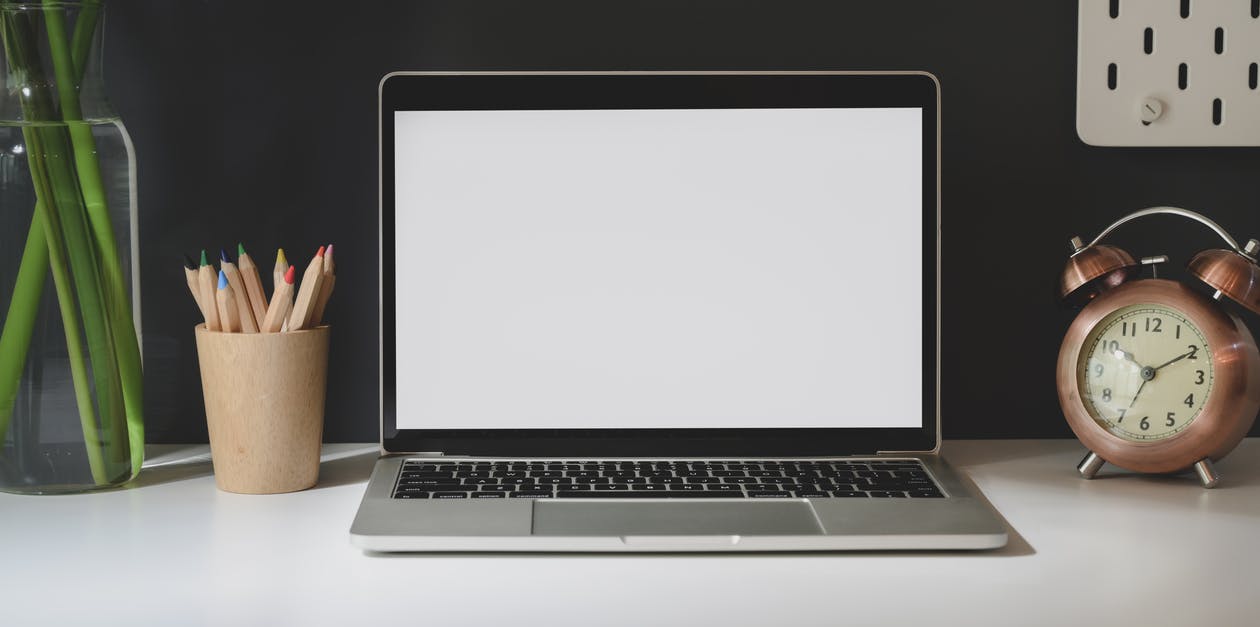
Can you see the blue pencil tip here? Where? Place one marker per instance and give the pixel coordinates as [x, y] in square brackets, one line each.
[223, 283]
[224, 256]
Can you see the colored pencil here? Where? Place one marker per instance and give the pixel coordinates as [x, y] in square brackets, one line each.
[190, 277]
[227, 302]
[253, 284]
[281, 267]
[312, 283]
[281, 304]
[206, 281]
[325, 291]
[248, 323]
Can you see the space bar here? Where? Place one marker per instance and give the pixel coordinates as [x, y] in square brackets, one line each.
[652, 495]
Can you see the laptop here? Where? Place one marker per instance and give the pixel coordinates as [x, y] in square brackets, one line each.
[662, 311]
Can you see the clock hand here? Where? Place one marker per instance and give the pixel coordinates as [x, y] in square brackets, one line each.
[1139, 391]
[1122, 354]
[1175, 359]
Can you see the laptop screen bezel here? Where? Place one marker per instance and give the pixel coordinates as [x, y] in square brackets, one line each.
[491, 91]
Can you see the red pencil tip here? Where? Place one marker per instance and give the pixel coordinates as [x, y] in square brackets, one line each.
[320, 252]
[288, 276]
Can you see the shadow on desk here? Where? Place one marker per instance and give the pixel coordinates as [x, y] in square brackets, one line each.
[336, 468]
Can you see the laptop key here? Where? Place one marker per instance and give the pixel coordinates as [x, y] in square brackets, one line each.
[488, 495]
[573, 487]
[416, 495]
[724, 487]
[450, 495]
[847, 494]
[610, 487]
[770, 495]
[447, 487]
[534, 494]
[924, 493]
[649, 487]
[685, 487]
[811, 494]
[496, 488]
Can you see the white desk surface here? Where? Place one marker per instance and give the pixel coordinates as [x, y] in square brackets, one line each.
[172, 550]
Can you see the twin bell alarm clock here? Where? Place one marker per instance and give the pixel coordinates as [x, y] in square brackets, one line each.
[1154, 375]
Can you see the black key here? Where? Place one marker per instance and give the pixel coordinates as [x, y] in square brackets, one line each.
[704, 480]
[525, 481]
[761, 487]
[724, 487]
[729, 473]
[693, 473]
[686, 486]
[743, 467]
[923, 493]
[582, 473]
[658, 474]
[764, 473]
[666, 480]
[649, 487]
[801, 473]
[651, 495]
[591, 480]
[780, 480]
[606, 487]
[427, 481]
[573, 488]
[560, 480]
[450, 495]
[423, 475]
[471, 474]
[740, 480]
[481, 481]
[496, 488]
[564, 466]
[620, 474]
[534, 494]
[808, 494]
[770, 495]
[846, 494]
[510, 474]
[546, 473]
[487, 495]
[886, 494]
[416, 495]
[630, 480]
[447, 487]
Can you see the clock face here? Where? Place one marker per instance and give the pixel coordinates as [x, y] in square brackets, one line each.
[1145, 372]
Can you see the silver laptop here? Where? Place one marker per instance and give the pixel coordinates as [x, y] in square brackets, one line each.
[662, 312]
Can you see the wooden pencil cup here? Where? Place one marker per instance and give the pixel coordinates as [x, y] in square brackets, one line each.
[264, 407]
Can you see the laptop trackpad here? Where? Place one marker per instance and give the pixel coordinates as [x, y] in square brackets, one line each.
[610, 518]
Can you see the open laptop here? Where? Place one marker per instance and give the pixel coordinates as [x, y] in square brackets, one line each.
[645, 311]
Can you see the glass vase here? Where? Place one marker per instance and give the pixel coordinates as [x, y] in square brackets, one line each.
[71, 392]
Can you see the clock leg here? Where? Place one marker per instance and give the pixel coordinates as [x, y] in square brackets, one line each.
[1207, 473]
[1090, 465]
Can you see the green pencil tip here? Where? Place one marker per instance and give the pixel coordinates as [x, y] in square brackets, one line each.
[240, 249]
[203, 258]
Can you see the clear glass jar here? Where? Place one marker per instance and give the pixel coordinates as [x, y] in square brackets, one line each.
[71, 390]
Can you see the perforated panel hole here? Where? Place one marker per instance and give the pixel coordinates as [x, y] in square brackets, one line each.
[1111, 76]
[1253, 75]
[1148, 40]
[1216, 111]
[1114, 9]
[1183, 76]
[1185, 8]
[1220, 40]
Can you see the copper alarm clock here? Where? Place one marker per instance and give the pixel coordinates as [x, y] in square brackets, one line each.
[1153, 375]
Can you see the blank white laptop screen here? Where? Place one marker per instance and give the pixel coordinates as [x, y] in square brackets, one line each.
[718, 268]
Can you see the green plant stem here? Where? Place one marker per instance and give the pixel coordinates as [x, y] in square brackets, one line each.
[66, 223]
[121, 325]
[19, 322]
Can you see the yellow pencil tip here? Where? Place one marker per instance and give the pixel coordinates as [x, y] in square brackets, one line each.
[280, 256]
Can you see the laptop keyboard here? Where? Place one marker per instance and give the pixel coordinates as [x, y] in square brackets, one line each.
[435, 479]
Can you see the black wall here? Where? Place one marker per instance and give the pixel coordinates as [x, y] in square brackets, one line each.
[257, 122]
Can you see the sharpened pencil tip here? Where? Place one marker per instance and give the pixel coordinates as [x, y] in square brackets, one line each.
[240, 250]
[289, 276]
[280, 256]
[203, 258]
[223, 256]
[189, 263]
[320, 252]
[223, 282]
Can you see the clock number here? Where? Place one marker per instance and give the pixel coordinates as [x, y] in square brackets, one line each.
[1106, 394]
[1199, 381]
[1145, 424]
[1124, 329]
[1194, 352]
[1098, 370]
[1121, 418]
[1113, 346]
[1154, 328]
[1178, 336]
[1170, 421]
[1189, 400]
